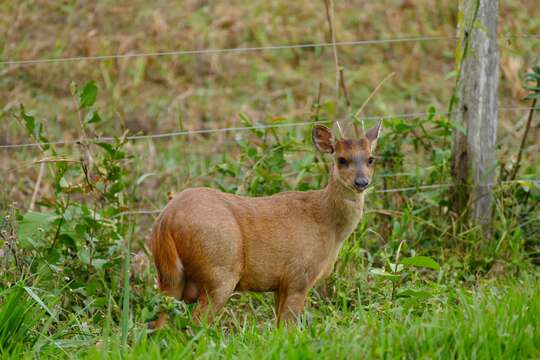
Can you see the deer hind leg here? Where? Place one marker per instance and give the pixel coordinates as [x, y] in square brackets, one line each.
[279, 301]
[173, 289]
[163, 317]
[190, 293]
[160, 322]
[290, 305]
[211, 300]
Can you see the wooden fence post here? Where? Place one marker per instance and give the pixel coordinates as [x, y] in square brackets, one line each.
[474, 107]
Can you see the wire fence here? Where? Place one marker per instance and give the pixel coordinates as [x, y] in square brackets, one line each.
[23, 62]
[210, 131]
[233, 129]
[226, 50]
[241, 49]
[418, 188]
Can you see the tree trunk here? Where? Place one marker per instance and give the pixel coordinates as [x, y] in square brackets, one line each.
[475, 109]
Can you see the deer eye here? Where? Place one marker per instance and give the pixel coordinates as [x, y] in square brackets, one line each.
[342, 161]
[371, 161]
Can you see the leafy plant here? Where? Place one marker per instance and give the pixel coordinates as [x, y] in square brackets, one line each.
[398, 271]
[78, 235]
[268, 171]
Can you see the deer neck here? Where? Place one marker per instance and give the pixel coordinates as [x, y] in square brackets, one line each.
[344, 206]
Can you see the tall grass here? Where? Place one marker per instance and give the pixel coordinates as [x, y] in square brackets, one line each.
[498, 321]
[17, 318]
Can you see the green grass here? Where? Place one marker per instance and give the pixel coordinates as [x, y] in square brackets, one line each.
[495, 320]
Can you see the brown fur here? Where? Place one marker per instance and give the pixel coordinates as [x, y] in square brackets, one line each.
[207, 244]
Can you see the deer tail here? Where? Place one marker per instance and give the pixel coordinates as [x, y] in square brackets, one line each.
[168, 263]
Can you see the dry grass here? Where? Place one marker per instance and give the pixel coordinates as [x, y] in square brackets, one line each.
[165, 93]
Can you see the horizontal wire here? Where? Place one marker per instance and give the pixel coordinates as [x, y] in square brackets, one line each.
[225, 50]
[419, 188]
[236, 50]
[518, 108]
[208, 131]
[138, 212]
[220, 130]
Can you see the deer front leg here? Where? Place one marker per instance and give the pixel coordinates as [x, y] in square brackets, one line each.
[290, 304]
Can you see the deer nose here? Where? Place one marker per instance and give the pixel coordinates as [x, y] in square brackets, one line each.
[361, 183]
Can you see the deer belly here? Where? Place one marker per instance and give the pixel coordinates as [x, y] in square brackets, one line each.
[257, 282]
[262, 274]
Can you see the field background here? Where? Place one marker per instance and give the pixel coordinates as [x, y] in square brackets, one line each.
[168, 93]
[150, 95]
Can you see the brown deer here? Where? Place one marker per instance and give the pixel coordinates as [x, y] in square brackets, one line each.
[207, 244]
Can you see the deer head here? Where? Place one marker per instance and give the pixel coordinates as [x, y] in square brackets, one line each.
[353, 160]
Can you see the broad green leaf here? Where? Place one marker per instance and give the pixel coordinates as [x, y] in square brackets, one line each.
[252, 152]
[91, 287]
[88, 95]
[92, 117]
[458, 126]
[278, 119]
[384, 274]
[432, 112]
[84, 256]
[98, 263]
[421, 261]
[70, 239]
[32, 228]
[421, 294]
[525, 185]
[330, 108]
[52, 256]
[63, 183]
[401, 127]
[29, 120]
[108, 147]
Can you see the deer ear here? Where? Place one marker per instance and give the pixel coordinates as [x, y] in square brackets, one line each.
[323, 139]
[373, 134]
